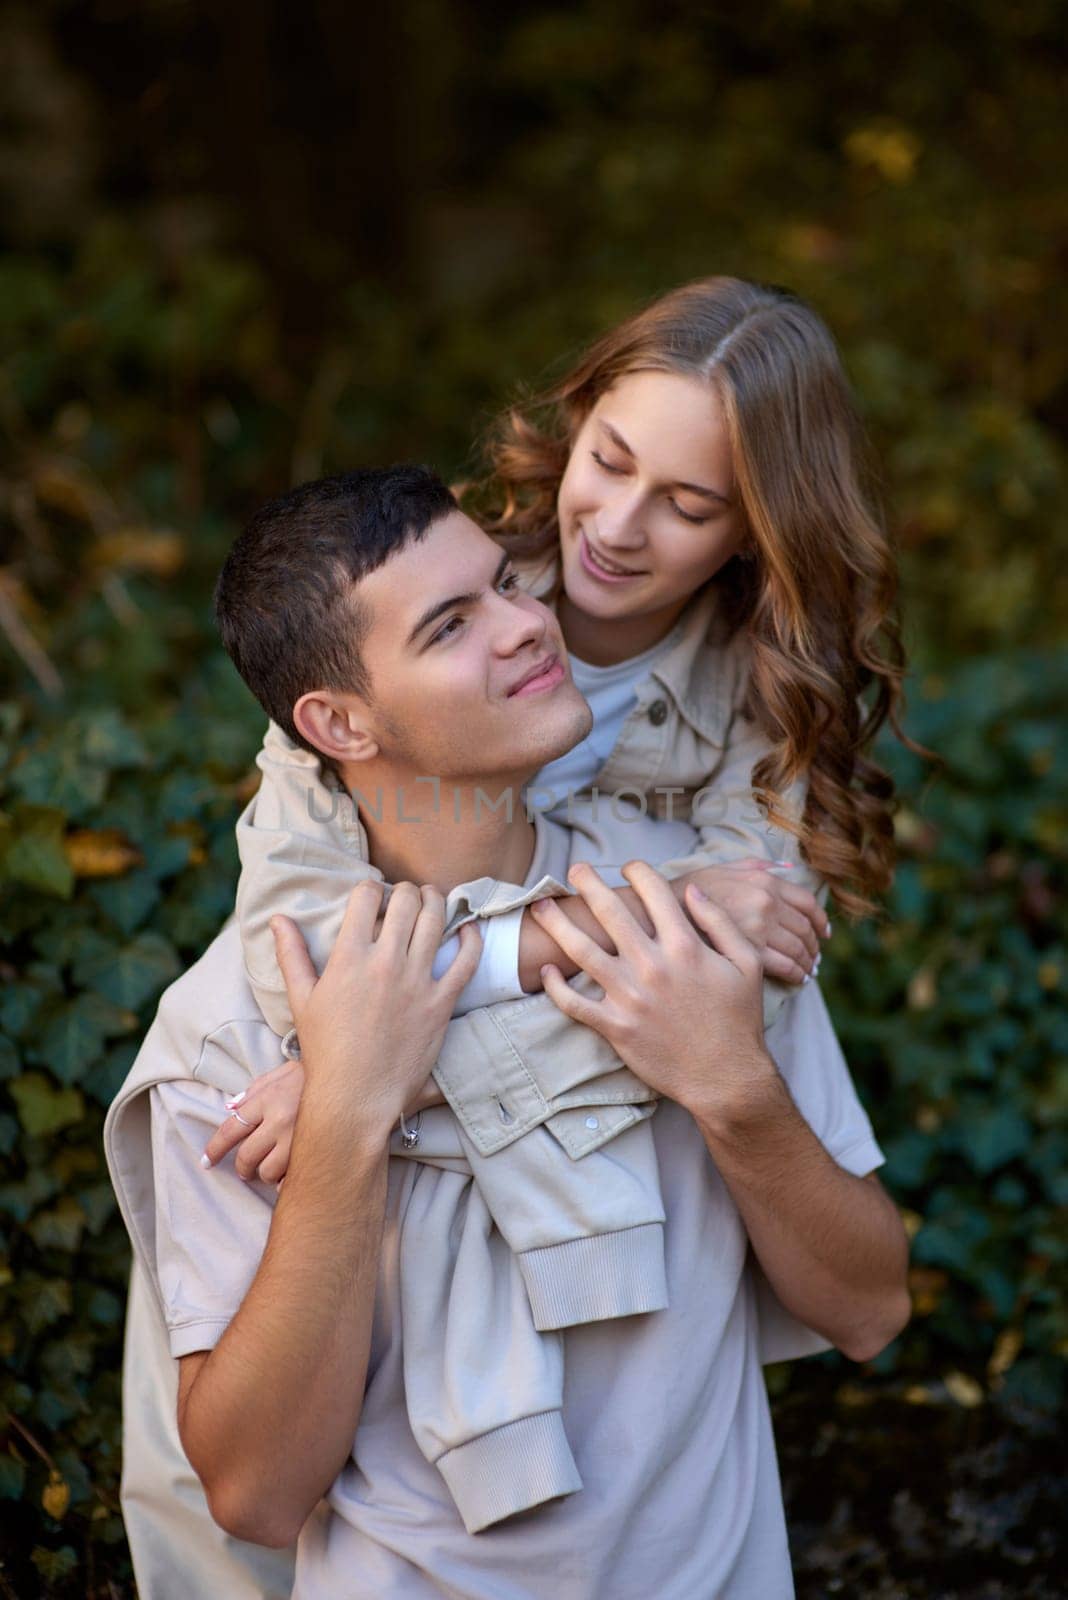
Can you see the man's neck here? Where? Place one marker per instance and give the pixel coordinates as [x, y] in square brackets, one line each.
[443, 832]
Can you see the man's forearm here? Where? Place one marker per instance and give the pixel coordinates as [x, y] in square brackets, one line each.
[832, 1245]
[269, 1417]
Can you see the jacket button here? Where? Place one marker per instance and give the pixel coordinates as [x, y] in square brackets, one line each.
[591, 1122]
[658, 712]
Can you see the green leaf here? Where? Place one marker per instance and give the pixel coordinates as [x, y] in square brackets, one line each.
[134, 973]
[59, 776]
[9, 1058]
[43, 1109]
[993, 1136]
[61, 1228]
[109, 741]
[33, 852]
[53, 1565]
[12, 1478]
[128, 900]
[74, 1036]
[44, 1301]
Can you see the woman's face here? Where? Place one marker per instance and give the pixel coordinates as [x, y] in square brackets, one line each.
[647, 505]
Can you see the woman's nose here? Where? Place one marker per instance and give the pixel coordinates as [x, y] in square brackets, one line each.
[618, 522]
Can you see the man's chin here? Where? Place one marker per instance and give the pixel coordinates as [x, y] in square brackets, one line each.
[567, 735]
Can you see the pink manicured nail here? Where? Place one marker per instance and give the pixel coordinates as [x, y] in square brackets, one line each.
[205, 1161]
[697, 892]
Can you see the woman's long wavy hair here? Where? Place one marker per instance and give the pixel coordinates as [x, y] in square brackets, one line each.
[818, 592]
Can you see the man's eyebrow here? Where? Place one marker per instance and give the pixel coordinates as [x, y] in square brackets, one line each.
[435, 611]
[693, 488]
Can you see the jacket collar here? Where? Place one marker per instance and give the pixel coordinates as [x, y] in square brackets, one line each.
[695, 668]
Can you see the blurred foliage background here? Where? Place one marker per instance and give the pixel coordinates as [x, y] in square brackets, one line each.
[246, 244]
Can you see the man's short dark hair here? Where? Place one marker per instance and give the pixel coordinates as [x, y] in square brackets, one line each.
[284, 602]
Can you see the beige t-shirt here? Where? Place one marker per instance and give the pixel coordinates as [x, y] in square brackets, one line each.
[667, 1413]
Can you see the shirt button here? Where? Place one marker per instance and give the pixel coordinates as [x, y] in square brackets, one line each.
[658, 712]
[591, 1122]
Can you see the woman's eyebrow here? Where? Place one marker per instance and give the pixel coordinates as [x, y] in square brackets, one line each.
[693, 488]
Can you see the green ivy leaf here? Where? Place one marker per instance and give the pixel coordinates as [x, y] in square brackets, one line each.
[128, 900]
[43, 1301]
[993, 1136]
[43, 1109]
[9, 1058]
[59, 776]
[33, 852]
[133, 973]
[53, 1565]
[74, 1036]
[109, 741]
[61, 1228]
[12, 1478]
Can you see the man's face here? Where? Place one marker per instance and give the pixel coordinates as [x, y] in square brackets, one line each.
[469, 675]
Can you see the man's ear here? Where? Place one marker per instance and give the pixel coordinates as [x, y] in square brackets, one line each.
[338, 726]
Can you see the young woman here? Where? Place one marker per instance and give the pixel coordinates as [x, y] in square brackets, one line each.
[691, 499]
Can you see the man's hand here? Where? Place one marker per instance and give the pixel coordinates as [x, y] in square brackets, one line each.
[371, 1027]
[684, 1014]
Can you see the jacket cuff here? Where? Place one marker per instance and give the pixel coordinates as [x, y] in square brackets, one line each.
[597, 1278]
[510, 1469]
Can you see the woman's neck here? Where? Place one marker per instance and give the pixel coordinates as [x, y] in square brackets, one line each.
[605, 641]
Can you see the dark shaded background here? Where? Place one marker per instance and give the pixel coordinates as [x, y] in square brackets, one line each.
[244, 244]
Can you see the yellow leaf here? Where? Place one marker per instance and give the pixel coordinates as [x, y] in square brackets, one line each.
[100, 853]
[141, 550]
[1006, 1349]
[65, 487]
[853, 1395]
[926, 1286]
[912, 1221]
[891, 149]
[965, 1391]
[56, 1497]
[922, 990]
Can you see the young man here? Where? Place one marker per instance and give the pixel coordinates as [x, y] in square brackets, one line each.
[285, 1309]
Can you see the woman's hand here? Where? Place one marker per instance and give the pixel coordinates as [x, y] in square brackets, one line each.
[261, 1122]
[682, 1008]
[260, 1125]
[782, 920]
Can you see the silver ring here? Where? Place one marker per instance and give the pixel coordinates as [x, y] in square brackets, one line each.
[243, 1121]
[410, 1136]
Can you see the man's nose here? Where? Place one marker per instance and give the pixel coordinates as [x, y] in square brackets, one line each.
[522, 621]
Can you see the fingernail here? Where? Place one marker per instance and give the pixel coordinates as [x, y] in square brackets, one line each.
[538, 905]
[830, 930]
[205, 1161]
[806, 978]
[697, 892]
